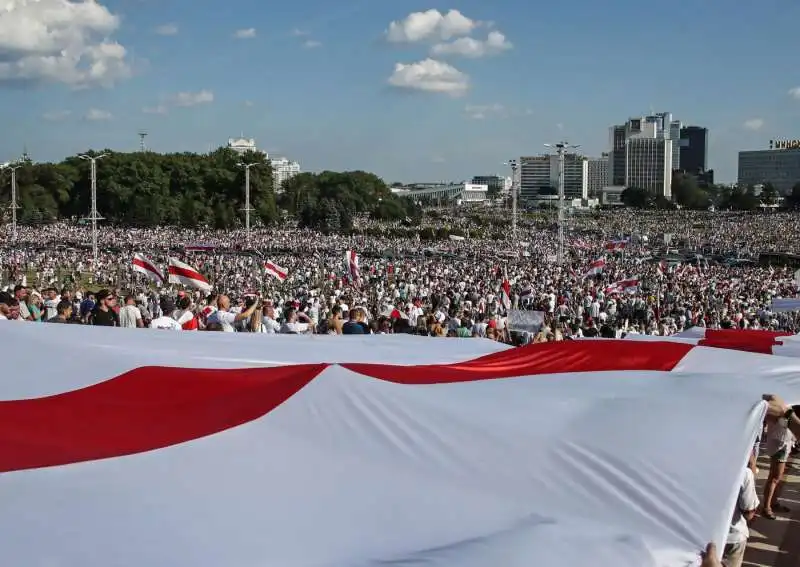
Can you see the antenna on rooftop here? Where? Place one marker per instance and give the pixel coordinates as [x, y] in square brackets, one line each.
[142, 136]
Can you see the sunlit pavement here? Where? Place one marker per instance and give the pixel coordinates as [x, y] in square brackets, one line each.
[776, 543]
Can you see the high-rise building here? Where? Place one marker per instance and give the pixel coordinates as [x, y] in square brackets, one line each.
[693, 149]
[597, 173]
[675, 127]
[616, 157]
[495, 183]
[648, 163]
[539, 175]
[779, 166]
[534, 176]
[282, 169]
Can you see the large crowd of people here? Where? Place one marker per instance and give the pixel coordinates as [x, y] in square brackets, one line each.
[658, 274]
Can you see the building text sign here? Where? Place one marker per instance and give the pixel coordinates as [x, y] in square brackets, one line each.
[784, 144]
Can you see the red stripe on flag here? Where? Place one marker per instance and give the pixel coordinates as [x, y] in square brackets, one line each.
[147, 266]
[544, 358]
[274, 269]
[186, 273]
[142, 410]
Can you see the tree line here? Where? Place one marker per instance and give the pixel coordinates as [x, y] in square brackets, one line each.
[187, 189]
[689, 194]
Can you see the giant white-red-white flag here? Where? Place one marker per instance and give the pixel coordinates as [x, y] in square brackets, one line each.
[225, 451]
[275, 270]
[144, 265]
[184, 274]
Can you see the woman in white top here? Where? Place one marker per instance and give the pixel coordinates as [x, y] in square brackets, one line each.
[779, 442]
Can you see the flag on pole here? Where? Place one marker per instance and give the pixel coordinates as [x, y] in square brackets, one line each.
[629, 285]
[595, 268]
[505, 294]
[184, 274]
[351, 266]
[144, 265]
[275, 270]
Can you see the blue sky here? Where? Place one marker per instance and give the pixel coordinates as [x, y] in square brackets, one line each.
[311, 79]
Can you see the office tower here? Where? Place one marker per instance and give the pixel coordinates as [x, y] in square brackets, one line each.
[694, 150]
[779, 165]
[648, 158]
[597, 173]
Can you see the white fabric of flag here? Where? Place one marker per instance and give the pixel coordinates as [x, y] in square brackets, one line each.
[543, 455]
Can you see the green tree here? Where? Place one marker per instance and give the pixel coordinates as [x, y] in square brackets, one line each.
[769, 194]
[792, 200]
[636, 197]
[687, 192]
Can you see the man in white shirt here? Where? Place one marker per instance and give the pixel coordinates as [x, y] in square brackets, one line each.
[166, 322]
[268, 322]
[129, 315]
[746, 506]
[227, 319]
[51, 301]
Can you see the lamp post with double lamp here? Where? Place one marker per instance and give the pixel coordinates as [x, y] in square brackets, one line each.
[94, 216]
[14, 206]
[512, 163]
[561, 148]
[247, 208]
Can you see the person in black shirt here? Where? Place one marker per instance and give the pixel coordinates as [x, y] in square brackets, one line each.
[63, 313]
[103, 314]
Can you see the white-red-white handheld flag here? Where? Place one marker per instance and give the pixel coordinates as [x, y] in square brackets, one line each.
[184, 274]
[144, 265]
[275, 270]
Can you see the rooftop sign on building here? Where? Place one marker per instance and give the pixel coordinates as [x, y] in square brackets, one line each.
[784, 144]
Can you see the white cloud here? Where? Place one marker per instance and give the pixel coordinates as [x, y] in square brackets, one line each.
[60, 41]
[248, 33]
[167, 29]
[495, 43]
[753, 124]
[160, 109]
[96, 115]
[297, 32]
[795, 93]
[56, 115]
[311, 44]
[482, 111]
[431, 76]
[186, 99]
[431, 25]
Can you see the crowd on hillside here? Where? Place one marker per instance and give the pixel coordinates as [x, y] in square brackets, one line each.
[456, 287]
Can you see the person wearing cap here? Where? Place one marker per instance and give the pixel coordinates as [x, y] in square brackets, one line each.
[103, 315]
[166, 321]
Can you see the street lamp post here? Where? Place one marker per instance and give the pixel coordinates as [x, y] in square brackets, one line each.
[561, 148]
[93, 215]
[14, 206]
[512, 163]
[247, 207]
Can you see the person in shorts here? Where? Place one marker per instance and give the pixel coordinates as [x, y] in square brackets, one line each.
[779, 442]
